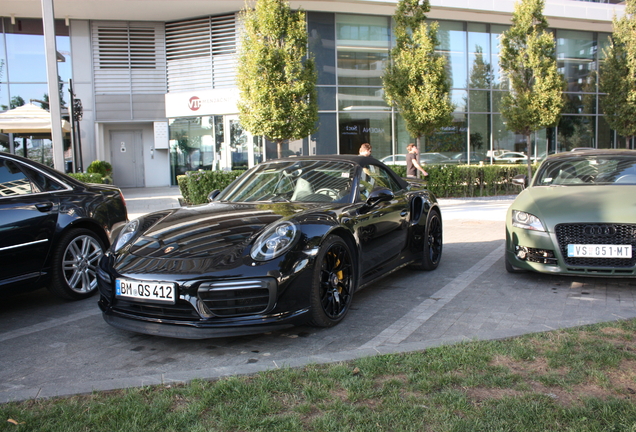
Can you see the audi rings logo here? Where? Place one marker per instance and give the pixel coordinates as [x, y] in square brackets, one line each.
[599, 231]
[194, 103]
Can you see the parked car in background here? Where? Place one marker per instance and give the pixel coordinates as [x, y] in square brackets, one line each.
[576, 217]
[511, 158]
[398, 159]
[288, 242]
[54, 229]
[434, 158]
[461, 158]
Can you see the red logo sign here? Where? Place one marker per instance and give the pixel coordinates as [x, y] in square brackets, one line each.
[194, 103]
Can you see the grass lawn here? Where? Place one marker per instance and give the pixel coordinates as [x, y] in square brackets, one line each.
[581, 379]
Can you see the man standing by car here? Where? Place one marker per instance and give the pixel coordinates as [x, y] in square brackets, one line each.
[412, 163]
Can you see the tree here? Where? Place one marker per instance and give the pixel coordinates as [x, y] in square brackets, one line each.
[617, 75]
[276, 76]
[528, 63]
[16, 101]
[417, 80]
[481, 73]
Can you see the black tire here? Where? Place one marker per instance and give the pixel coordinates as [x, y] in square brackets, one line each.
[510, 268]
[430, 245]
[75, 259]
[334, 282]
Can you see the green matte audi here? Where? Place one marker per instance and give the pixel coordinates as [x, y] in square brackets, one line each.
[577, 217]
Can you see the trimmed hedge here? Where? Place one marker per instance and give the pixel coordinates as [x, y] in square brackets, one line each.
[447, 181]
[90, 178]
[196, 185]
[444, 181]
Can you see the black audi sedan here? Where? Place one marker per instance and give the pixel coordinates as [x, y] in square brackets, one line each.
[288, 242]
[53, 229]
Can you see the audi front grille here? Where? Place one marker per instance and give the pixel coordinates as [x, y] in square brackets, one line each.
[583, 233]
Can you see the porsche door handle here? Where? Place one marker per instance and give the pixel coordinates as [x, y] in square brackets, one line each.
[404, 213]
[44, 207]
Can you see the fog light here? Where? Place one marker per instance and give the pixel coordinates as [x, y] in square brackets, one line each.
[522, 252]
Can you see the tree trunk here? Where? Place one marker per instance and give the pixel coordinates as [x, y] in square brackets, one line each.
[279, 148]
[528, 148]
[418, 140]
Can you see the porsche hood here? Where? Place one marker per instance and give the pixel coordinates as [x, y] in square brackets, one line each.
[204, 231]
[574, 204]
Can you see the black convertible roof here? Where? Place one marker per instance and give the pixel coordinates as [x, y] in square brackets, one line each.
[359, 160]
[356, 159]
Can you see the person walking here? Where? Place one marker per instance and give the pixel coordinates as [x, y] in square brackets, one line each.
[412, 163]
[365, 150]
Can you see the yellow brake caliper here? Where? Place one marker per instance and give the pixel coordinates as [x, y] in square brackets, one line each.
[339, 274]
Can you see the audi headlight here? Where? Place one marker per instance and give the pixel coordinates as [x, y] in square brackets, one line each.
[274, 241]
[527, 221]
[126, 235]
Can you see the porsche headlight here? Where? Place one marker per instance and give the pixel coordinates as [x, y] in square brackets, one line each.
[274, 241]
[527, 221]
[126, 234]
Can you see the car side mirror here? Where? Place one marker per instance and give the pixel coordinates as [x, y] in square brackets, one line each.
[378, 195]
[520, 180]
[212, 195]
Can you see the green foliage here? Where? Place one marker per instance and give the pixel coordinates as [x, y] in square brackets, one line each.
[617, 75]
[16, 101]
[447, 181]
[528, 62]
[276, 75]
[102, 168]
[196, 185]
[88, 177]
[417, 80]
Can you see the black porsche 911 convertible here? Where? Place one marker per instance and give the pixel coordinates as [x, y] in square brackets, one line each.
[289, 242]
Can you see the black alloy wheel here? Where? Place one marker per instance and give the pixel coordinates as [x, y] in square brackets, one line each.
[430, 245]
[334, 283]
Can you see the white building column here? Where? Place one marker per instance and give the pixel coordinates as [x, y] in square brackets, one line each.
[50, 50]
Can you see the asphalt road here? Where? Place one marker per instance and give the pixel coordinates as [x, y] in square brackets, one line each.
[50, 347]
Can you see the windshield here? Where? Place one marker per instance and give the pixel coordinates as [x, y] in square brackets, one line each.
[588, 170]
[293, 181]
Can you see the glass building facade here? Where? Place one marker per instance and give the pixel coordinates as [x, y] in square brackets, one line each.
[351, 52]
[196, 55]
[23, 77]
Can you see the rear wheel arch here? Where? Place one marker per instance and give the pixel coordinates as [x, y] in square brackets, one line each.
[428, 241]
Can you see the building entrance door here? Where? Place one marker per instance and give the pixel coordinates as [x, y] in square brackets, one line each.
[126, 154]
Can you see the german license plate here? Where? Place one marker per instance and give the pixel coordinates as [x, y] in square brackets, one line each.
[147, 290]
[599, 251]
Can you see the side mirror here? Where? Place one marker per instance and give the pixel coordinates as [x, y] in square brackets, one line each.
[378, 195]
[212, 195]
[520, 180]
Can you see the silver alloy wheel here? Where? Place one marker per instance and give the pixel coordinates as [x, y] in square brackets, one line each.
[79, 264]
